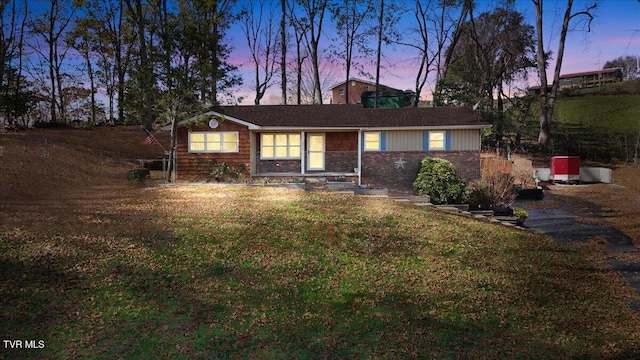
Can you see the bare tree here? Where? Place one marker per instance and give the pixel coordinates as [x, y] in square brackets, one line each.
[328, 77]
[456, 30]
[433, 27]
[388, 17]
[144, 74]
[114, 40]
[300, 27]
[548, 97]
[349, 17]
[314, 11]
[283, 50]
[83, 40]
[627, 64]
[258, 26]
[14, 95]
[50, 27]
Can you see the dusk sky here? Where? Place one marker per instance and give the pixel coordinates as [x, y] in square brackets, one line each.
[614, 32]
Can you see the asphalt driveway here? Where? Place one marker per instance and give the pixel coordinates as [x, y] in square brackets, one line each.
[566, 222]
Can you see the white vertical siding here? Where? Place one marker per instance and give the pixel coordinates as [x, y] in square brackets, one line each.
[463, 140]
[404, 140]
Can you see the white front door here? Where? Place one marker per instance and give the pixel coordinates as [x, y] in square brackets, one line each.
[315, 152]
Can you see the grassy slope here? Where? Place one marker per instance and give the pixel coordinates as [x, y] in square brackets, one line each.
[101, 268]
[616, 106]
[617, 112]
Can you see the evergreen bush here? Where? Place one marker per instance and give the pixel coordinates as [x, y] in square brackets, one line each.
[439, 179]
[139, 174]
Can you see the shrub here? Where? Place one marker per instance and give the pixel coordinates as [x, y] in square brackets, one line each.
[227, 173]
[139, 174]
[521, 213]
[439, 179]
[494, 190]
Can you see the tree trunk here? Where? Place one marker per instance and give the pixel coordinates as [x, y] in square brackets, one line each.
[171, 168]
[146, 81]
[380, 20]
[93, 90]
[547, 98]
[283, 49]
[316, 73]
[51, 66]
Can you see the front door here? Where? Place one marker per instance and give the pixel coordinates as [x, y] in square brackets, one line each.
[315, 152]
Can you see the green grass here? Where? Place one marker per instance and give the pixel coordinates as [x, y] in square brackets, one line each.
[616, 112]
[244, 272]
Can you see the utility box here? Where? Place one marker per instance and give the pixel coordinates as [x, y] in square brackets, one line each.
[565, 169]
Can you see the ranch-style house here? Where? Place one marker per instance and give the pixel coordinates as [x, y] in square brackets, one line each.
[379, 148]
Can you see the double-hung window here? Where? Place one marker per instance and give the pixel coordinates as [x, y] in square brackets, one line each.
[372, 141]
[437, 140]
[213, 142]
[280, 146]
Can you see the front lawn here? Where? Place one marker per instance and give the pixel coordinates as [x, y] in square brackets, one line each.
[257, 272]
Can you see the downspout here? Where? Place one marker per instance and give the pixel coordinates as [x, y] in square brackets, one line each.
[303, 149]
[359, 157]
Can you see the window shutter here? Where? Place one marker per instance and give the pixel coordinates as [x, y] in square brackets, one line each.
[383, 141]
[447, 140]
[425, 140]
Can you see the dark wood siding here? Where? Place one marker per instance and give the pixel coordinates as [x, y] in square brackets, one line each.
[341, 141]
[192, 165]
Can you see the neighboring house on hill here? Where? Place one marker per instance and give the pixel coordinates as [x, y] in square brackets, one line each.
[583, 79]
[355, 88]
[378, 147]
[590, 78]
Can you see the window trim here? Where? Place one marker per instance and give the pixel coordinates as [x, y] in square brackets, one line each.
[222, 142]
[288, 147]
[364, 140]
[323, 151]
[444, 140]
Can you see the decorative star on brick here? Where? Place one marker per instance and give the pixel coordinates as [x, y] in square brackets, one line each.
[400, 163]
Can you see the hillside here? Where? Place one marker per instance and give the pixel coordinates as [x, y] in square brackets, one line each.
[616, 112]
[598, 124]
[69, 158]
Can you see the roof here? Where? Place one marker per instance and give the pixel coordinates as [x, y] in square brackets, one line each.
[364, 82]
[586, 73]
[348, 116]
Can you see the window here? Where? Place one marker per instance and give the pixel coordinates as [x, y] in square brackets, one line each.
[213, 141]
[341, 92]
[365, 88]
[372, 141]
[436, 140]
[280, 146]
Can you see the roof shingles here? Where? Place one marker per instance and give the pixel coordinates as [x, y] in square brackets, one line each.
[350, 116]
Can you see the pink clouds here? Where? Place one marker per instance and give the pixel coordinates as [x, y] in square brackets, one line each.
[615, 32]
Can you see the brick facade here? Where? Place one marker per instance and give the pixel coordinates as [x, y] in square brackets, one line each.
[386, 170]
[380, 169]
[276, 166]
[200, 165]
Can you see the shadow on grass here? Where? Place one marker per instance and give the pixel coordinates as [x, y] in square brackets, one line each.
[298, 280]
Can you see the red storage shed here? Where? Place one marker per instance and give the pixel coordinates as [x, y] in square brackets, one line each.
[565, 168]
